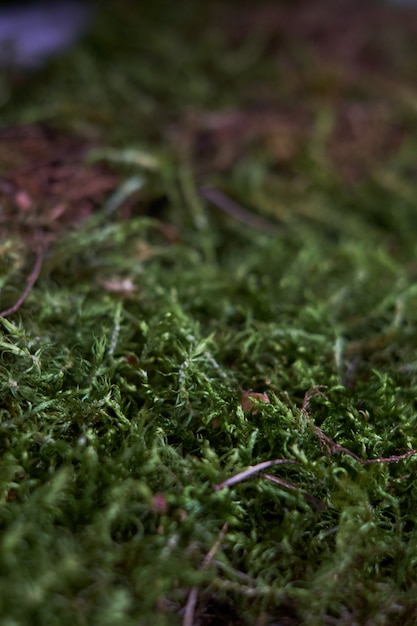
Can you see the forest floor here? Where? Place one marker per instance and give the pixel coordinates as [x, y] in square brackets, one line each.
[208, 321]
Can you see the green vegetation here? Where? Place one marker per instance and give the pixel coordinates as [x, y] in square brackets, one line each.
[127, 372]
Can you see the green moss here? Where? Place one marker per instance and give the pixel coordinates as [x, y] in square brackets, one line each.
[121, 374]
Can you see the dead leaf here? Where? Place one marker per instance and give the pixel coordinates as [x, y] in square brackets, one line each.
[247, 399]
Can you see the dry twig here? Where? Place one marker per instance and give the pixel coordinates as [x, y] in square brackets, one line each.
[193, 595]
[235, 210]
[334, 447]
[32, 278]
[251, 471]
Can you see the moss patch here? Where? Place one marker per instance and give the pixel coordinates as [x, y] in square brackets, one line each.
[208, 393]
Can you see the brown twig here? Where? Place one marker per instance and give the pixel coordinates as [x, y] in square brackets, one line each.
[334, 447]
[311, 393]
[315, 502]
[389, 459]
[32, 278]
[193, 595]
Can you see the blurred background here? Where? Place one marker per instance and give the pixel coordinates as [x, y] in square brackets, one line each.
[271, 99]
[33, 32]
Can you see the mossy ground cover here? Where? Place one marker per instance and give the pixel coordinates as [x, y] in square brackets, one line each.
[208, 409]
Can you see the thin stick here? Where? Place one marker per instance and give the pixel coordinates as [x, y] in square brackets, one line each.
[190, 607]
[212, 552]
[334, 447]
[235, 210]
[254, 469]
[389, 459]
[193, 595]
[33, 277]
[315, 502]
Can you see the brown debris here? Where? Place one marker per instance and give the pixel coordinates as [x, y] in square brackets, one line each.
[45, 184]
[46, 187]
